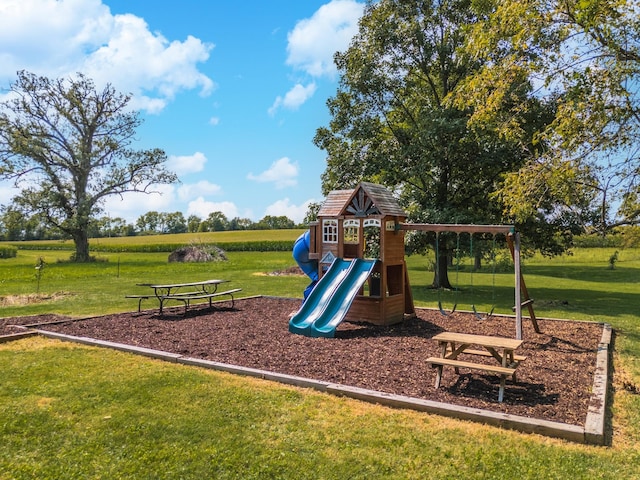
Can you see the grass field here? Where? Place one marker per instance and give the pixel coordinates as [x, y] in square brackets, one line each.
[68, 411]
[185, 238]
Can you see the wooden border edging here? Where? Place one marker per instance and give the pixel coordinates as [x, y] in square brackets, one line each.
[595, 423]
[574, 433]
[593, 432]
[123, 347]
[254, 372]
[16, 336]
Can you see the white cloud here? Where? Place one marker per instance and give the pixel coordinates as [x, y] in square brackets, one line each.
[214, 121]
[313, 41]
[282, 173]
[284, 207]
[294, 97]
[199, 189]
[202, 208]
[131, 205]
[83, 35]
[186, 164]
[151, 62]
[312, 44]
[71, 29]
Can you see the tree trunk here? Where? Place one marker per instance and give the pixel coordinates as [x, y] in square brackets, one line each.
[477, 260]
[81, 241]
[441, 275]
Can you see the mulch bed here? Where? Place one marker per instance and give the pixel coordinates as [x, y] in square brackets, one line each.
[554, 382]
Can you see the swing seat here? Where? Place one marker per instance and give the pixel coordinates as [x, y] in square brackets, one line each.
[443, 311]
[481, 317]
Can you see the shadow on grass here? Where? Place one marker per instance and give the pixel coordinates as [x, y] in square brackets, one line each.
[585, 273]
[591, 302]
[570, 300]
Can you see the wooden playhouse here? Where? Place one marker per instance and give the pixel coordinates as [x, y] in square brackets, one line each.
[364, 223]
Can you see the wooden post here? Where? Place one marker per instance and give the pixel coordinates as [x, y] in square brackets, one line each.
[516, 263]
[525, 299]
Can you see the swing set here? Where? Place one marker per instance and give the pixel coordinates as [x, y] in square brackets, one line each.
[456, 289]
[522, 298]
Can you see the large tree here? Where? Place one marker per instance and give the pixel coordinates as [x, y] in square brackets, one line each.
[586, 56]
[392, 122]
[66, 144]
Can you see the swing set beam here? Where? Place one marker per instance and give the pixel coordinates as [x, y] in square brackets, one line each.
[513, 241]
[458, 228]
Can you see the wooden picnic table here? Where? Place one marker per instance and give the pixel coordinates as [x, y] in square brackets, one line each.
[205, 289]
[502, 349]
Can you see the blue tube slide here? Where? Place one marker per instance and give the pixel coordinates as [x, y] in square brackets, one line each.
[301, 256]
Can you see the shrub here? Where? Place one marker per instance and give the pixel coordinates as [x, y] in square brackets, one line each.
[597, 241]
[8, 251]
[198, 253]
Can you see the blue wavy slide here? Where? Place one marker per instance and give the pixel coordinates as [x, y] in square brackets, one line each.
[320, 295]
[329, 302]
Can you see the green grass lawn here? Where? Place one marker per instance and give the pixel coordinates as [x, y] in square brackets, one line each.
[185, 238]
[100, 287]
[68, 411]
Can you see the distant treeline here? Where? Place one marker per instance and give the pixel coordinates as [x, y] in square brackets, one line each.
[623, 237]
[17, 226]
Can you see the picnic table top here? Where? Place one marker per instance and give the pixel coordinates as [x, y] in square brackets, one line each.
[484, 340]
[185, 284]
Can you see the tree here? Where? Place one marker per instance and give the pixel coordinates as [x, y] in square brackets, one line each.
[193, 223]
[215, 222]
[107, 226]
[118, 227]
[12, 223]
[237, 223]
[272, 222]
[312, 213]
[67, 145]
[175, 223]
[392, 122]
[17, 224]
[586, 56]
[149, 223]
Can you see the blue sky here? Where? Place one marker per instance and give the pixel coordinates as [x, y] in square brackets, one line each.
[233, 92]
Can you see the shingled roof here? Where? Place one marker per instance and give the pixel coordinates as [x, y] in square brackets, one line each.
[366, 199]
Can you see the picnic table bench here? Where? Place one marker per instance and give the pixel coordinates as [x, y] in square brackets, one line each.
[453, 344]
[206, 289]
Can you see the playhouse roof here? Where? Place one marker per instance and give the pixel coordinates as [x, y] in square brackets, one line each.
[366, 199]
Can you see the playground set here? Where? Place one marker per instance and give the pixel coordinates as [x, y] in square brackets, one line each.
[354, 255]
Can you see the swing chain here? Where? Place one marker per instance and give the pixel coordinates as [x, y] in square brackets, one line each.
[493, 286]
[455, 298]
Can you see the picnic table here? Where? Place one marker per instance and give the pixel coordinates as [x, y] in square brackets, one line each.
[205, 289]
[502, 349]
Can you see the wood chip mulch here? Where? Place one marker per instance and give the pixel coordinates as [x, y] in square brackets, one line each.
[554, 382]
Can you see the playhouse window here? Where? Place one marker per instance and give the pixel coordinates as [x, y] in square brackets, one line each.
[371, 235]
[330, 231]
[351, 231]
[372, 222]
